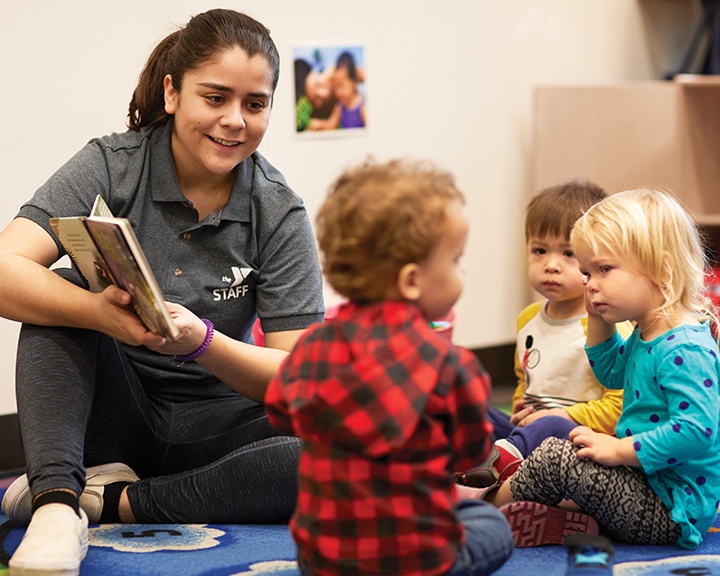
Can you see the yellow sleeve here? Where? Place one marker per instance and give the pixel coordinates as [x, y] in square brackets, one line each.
[520, 387]
[523, 318]
[602, 414]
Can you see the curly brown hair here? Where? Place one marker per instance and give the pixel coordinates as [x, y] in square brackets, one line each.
[377, 218]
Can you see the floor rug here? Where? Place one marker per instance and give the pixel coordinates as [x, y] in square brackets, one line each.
[264, 550]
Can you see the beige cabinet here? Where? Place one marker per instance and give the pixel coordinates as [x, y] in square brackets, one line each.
[628, 135]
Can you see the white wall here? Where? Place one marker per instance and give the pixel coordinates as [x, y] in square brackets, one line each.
[449, 81]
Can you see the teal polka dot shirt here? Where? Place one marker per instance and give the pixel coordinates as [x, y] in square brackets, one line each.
[671, 409]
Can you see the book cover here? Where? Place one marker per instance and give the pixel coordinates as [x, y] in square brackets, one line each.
[106, 251]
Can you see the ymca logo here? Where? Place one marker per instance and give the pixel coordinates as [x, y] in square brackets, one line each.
[236, 289]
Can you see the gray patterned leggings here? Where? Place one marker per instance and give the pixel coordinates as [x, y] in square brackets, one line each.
[619, 498]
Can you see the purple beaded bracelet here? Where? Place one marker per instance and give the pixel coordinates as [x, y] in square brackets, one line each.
[203, 347]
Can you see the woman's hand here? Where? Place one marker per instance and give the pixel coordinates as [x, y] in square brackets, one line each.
[192, 332]
[116, 318]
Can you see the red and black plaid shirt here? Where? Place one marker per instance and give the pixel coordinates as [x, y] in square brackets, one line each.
[387, 410]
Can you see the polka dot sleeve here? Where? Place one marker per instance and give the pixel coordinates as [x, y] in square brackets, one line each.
[608, 360]
[675, 411]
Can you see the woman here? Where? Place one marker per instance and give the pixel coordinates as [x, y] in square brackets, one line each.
[228, 241]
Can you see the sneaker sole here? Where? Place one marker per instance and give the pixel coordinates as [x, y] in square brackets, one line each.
[17, 501]
[70, 567]
[535, 524]
[12, 501]
[18, 571]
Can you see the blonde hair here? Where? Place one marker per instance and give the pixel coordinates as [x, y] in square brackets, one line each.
[656, 235]
[376, 219]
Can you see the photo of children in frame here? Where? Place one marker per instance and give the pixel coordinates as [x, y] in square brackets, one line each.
[330, 89]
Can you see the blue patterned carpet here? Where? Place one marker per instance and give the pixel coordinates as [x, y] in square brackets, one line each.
[225, 550]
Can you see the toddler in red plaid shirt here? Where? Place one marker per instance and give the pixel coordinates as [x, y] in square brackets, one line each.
[386, 407]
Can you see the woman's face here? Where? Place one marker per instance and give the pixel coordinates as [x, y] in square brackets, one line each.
[318, 89]
[221, 112]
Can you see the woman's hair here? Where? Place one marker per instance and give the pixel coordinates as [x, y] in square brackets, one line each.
[376, 219]
[204, 37]
[302, 70]
[658, 238]
[554, 210]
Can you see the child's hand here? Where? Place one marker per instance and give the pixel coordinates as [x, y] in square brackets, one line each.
[603, 448]
[520, 413]
[594, 445]
[590, 309]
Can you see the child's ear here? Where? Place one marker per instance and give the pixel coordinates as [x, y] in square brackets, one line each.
[408, 282]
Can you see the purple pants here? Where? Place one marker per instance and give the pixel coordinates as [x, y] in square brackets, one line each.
[527, 438]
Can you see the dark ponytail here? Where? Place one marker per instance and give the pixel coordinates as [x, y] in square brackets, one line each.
[202, 39]
[147, 107]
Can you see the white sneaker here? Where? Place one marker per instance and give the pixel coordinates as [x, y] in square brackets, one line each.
[17, 502]
[54, 544]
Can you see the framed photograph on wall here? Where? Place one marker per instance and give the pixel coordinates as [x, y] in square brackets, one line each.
[330, 93]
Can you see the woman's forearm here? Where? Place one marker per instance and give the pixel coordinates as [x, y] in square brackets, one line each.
[246, 368]
[31, 293]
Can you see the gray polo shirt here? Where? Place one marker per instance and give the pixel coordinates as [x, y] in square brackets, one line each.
[255, 255]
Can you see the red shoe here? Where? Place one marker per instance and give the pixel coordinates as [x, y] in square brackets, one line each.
[499, 466]
[534, 524]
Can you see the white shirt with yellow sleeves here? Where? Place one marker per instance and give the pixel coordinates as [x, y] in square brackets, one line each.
[553, 370]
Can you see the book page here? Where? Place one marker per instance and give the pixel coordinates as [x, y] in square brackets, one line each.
[100, 208]
[82, 251]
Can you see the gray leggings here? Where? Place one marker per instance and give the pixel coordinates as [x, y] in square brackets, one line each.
[619, 498]
[211, 460]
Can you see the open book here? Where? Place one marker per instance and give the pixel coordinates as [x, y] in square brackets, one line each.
[106, 251]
